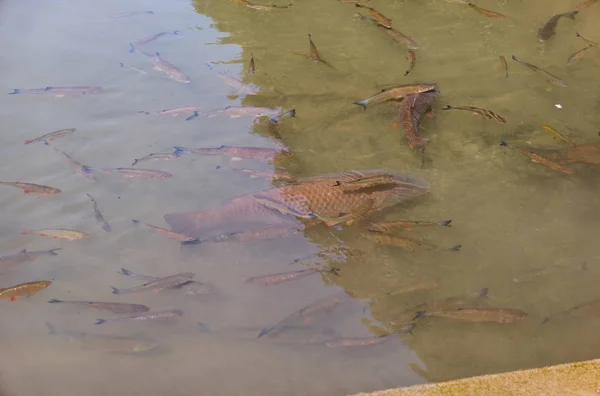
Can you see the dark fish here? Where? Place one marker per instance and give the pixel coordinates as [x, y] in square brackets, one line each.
[171, 234]
[153, 156]
[157, 284]
[487, 13]
[153, 37]
[170, 314]
[98, 215]
[381, 19]
[490, 115]
[576, 57]
[33, 188]
[477, 315]
[396, 93]
[504, 64]
[23, 289]
[118, 308]
[275, 279]
[251, 68]
[130, 14]
[589, 42]
[261, 153]
[403, 242]
[75, 165]
[549, 29]
[132, 172]
[538, 159]
[550, 77]
[355, 343]
[412, 59]
[23, 256]
[392, 225]
[52, 135]
[60, 91]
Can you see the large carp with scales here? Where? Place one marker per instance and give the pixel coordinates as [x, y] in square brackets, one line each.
[320, 195]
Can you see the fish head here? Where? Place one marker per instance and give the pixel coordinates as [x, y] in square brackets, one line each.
[144, 345]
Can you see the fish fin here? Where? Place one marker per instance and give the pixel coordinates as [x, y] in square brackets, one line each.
[546, 320]
[132, 49]
[196, 114]
[51, 252]
[134, 162]
[448, 107]
[100, 321]
[176, 32]
[135, 221]
[420, 314]
[503, 143]
[362, 103]
[15, 91]
[126, 272]
[263, 332]
[51, 328]
[54, 300]
[116, 291]
[445, 223]
[455, 248]
[23, 251]
[180, 150]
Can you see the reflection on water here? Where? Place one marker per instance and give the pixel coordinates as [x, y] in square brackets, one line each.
[334, 306]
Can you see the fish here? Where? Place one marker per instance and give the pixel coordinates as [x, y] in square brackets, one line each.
[275, 279]
[258, 234]
[11, 260]
[538, 159]
[412, 59]
[134, 69]
[171, 234]
[33, 188]
[59, 233]
[153, 37]
[585, 4]
[403, 242]
[549, 29]
[98, 215]
[409, 122]
[60, 91]
[157, 284]
[160, 64]
[381, 19]
[194, 288]
[260, 153]
[396, 93]
[490, 115]
[130, 14]
[132, 172]
[23, 289]
[153, 156]
[262, 7]
[170, 314]
[316, 194]
[392, 225]
[110, 344]
[556, 135]
[355, 343]
[118, 308]
[238, 85]
[504, 64]
[265, 174]
[477, 315]
[576, 57]
[356, 213]
[287, 114]
[588, 153]
[243, 111]
[251, 68]
[401, 38]
[319, 306]
[550, 77]
[487, 13]
[75, 165]
[589, 42]
[284, 209]
[52, 135]
[588, 308]
[193, 110]
[314, 53]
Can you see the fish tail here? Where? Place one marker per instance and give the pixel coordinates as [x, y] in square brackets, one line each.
[100, 321]
[51, 328]
[362, 103]
[54, 300]
[126, 272]
[264, 332]
[135, 221]
[546, 320]
[503, 143]
[88, 169]
[135, 161]
[421, 314]
[15, 91]
[455, 248]
[145, 112]
[196, 114]
[116, 291]
[176, 32]
[52, 252]
[445, 223]
[448, 107]
[180, 150]
[132, 49]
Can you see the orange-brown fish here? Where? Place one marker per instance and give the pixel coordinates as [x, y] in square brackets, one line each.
[168, 233]
[381, 19]
[11, 260]
[275, 279]
[576, 57]
[52, 135]
[260, 153]
[409, 122]
[504, 64]
[33, 188]
[60, 233]
[589, 42]
[24, 289]
[538, 159]
[114, 307]
[251, 68]
[478, 315]
[396, 93]
[557, 135]
[402, 38]
[314, 53]
[549, 29]
[490, 115]
[403, 242]
[412, 59]
[588, 153]
[487, 13]
[392, 225]
[75, 165]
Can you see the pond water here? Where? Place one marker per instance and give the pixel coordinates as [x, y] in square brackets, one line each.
[528, 233]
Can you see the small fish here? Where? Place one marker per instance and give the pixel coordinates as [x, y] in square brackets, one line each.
[146, 317]
[239, 86]
[412, 59]
[287, 114]
[589, 42]
[75, 165]
[588, 308]
[171, 234]
[386, 226]
[118, 308]
[251, 68]
[260, 153]
[402, 38]
[395, 93]
[153, 156]
[277, 175]
[159, 64]
[133, 172]
[556, 135]
[60, 91]
[314, 53]
[354, 343]
[33, 188]
[550, 77]
[193, 110]
[585, 4]
[24, 289]
[405, 243]
[538, 159]
[52, 135]
[381, 19]
[60, 233]
[261, 7]
[243, 111]
[356, 213]
[157, 284]
[130, 14]
[11, 260]
[283, 208]
[110, 344]
[549, 29]
[260, 234]
[576, 57]
[275, 279]
[153, 37]
[504, 64]
[98, 214]
[477, 315]
[133, 68]
[194, 288]
[487, 13]
[490, 115]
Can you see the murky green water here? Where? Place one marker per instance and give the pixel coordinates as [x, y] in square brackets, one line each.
[525, 229]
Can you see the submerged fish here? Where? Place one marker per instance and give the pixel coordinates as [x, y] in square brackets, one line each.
[171, 234]
[396, 93]
[133, 172]
[98, 214]
[61, 233]
[33, 188]
[251, 68]
[189, 287]
[258, 234]
[238, 85]
[157, 284]
[153, 156]
[52, 135]
[243, 111]
[381, 19]
[477, 315]
[275, 279]
[550, 77]
[170, 314]
[261, 153]
[412, 59]
[153, 37]
[490, 115]
[118, 308]
[354, 214]
[12, 260]
[487, 13]
[585, 4]
[588, 308]
[392, 225]
[409, 121]
[401, 38]
[75, 165]
[549, 29]
[112, 344]
[576, 57]
[60, 91]
[261, 7]
[266, 174]
[193, 110]
[314, 53]
[130, 14]
[538, 159]
[23, 289]
[556, 135]
[504, 64]
[160, 64]
[403, 242]
[589, 42]
[355, 343]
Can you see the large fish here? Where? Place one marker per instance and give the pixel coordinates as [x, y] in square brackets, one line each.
[412, 108]
[23, 289]
[320, 195]
[549, 29]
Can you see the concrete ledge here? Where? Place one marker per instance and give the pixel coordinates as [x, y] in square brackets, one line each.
[580, 378]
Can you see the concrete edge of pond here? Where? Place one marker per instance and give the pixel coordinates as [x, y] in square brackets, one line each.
[578, 378]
